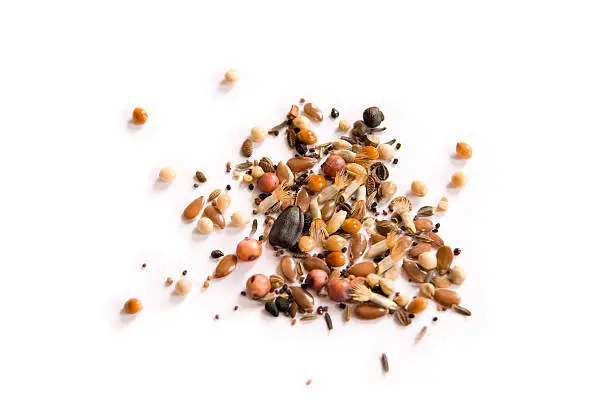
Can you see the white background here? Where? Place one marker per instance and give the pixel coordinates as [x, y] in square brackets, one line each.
[527, 83]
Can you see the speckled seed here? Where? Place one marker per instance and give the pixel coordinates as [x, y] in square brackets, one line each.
[132, 306]
[193, 209]
[303, 298]
[447, 297]
[258, 134]
[332, 165]
[363, 268]
[457, 275]
[257, 286]
[417, 305]
[427, 290]
[183, 286]
[369, 311]
[427, 260]
[288, 267]
[268, 182]
[226, 266]
[167, 174]
[316, 279]
[249, 250]
[205, 225]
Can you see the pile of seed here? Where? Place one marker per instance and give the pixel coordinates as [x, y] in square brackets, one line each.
[341, 233]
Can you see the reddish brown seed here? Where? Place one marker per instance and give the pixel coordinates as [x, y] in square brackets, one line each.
[193, 209]
[420, 248]
[316, 279]
[359, 243]
[301, 164]
[215, 216]
[257, 286]
[169, 281]
[311, 262]
[369, 311]
[268, 182]
[132, 306]
[206, 284]
[226, 266]
[447, 297]
[249, 249]
[303, 298]
[333, 164]
[338, 290]
[335, 259]
[423, 224]
[288, 267]
[363, 269]
[139, 115]
[417, 305]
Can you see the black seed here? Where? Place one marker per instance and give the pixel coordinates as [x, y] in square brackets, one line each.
[301, 148]
[334, 113]
[320, 256]
[216, 254]
[261, 237]
[228, 187]
[395, 161]
[307, 222]
[378, 258]
[398, 146]
[342, 305]
[434, 230]
[344, 249]
[320, 310]
[435, 319]
[283, 304]
[304, 286]
[411, 316]
[216, 317]
[236, 307]
[184, 273]
[437, 226]
[457, 251]
[243, 293]
[373, 116]
[272, 308]
[264, 195]
[251, 187]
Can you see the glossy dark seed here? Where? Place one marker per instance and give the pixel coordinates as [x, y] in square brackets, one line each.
[301, 148]
[216, 254]
[272, 308]
[395, 161]
[307, 222]
[457, 251]
[283, 304]
[334, 113]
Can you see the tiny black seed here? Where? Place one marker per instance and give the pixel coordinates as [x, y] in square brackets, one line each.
[228, 187]
[216, 317]
[344, 249]
[261, 237]
[236, 307]
[243, 293]
[216, 254]
[437, 226]
[395, 161]
[398, 146]
[378, 258]
[411, 316]
[342, 305]
[435, 319]
[195, 185]
[304, 286]
[334, 113]
[434, 230]
[184, 273]
[251, 187]
[457, 251]
[320, 256]
[320, 310]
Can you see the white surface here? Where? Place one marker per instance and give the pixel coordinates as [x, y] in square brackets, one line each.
[526, 82]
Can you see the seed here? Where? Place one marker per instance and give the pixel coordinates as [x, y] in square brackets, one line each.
[267, 165]
[257, 172]
[385, 363]
[303, 298]
[132, 306]
[328, 321]
[205, 225]
[216, 254]
[414, 273]
[381, 171]
[421, 334]
[200, 177]
[351, 225]
[388, 189]
[247, 148]
[301, 164]
[427, 260]
[258, 134]
[271, 308]
[313, 112]
[423, 224]
[316, 183]
[183, 287]
[459, 179]
[287, 228]
[206, 284]
[226, 266]
[418, 188]
[447, 297]
[338, 290]
[167, 174]
[214, 194]
[293, 309]
[435, 239]
[231, 76]
[359, 244]
[463, 150]
[369, 311]
[373, 116]
[362, 269]
[301, 122]
[249, 250]
[309, 263]
[420, 248]
[462, 310]
[457, 275]
[193, 209]
[139, 115]
[387, 286]
[306, 243]
[344, 125]
[223, 202]
[247, 179]
[417, 305]
[335, 259]
[239, 218]
[309, 316]
[215, 216]
[334, 113]
[228, 166]
[257, 286]
[427, 290]
[457, 251]
[445, 259]
[288, 267]
[402, 299]
[426, 211]
[402, 317]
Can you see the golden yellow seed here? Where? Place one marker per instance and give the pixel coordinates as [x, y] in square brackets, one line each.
[247, 179]
[167, 174]
[427, 290]
[231, 76]
[344, 125]
[418, 188]
[464, 150]
[459, 179]
[237, 174]
[306, 243]
[257, 172]
[206, 284]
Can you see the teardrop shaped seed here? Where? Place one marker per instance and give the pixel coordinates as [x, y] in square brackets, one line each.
[311, 263]
[287, 228]
[359, 243]
[247, 148]
[215, 216]
[226, 266]
[288, 267]
[423, 224]
[304, 299]
[444, 258]
[411, 269]
[193, 209]
[302, 199]
[369, 311]
[362, 268]
[328, 209]
[301, 163]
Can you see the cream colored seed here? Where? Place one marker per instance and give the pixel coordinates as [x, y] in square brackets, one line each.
[418, 188]
[301, 122]
[344, 125]
[402, 299]
[239, 218]
[443, 204]
[428, 260]
[258, 134]
[388, 189]
[205, 225]
[247, 179]
[167, 174]
[231, 76]
[257, 172]
[223, 202]
[457, 275]
[459, 179]
[183, 286]
[427, 290]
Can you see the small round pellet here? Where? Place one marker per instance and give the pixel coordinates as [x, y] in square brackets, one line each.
[167, 174]
[231, 76]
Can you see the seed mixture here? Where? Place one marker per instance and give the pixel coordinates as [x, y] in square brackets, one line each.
[342, 230]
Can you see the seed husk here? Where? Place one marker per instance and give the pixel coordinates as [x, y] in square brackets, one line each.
[276, 281]
[461, 310]
[421, 334]
[445, 259]
[266, 164]
[200, 177]
[215, 216]
[243, 166]
[402, 317]
[371, 185]
[247, 148]
[226, 266]
[213, 195]
[400, 199]
[385, 363]
[426, 211]
[328, 321]
[299, 164]
[309, 316]
[193, 209]
[347, 314]
[381, 171]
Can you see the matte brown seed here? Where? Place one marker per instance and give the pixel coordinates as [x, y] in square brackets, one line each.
[402, 317]
[447, 297]
[288, 267]
[215, 216]
[226, 266]
[266, 164]
[441, 282]
[313, 111]
[301, 164]
[369, 311]
[328, 321]
[199, 175]
[213, 195]
[412, 270]
[193, 209]
[311, 263]
[445, 258]
[418, 249]
[362, 269]
[293, 309]
[359, 243]
[435, 239]
[423, 224]
[247, 148]
[303, 298]
[385, 363]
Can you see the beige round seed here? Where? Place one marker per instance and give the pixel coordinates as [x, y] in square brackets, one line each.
[457, 275]
[247, 179]
[344, 125]
[239, 218]
[427, 290]
[205, 225]
[301, 122]
[223, 202]
[258, 134]
[443, 204]
[183, 286]
[388, 189]
[428, 260]
[257, 172]
[402, 299]
[231, 76]
[167, 174]
[386, 151]
[459, 179]
[418, 188]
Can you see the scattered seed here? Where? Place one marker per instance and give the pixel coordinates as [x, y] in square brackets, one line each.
[216, 317]
[421, 334]
[199, 175]
[435, 319]
[214, 194]
[228, 166]
[169, 281]
[308, 382]
[184, 273]
[144, 265]
[309, 316]
[328, 321]
[385, 363]
[347, 314]
[461, 310]
[236, 307]
[216, 254]
[206, 285]
[457, 251]
[402, 317]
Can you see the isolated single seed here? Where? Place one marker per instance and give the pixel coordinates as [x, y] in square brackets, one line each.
[140, 115]
[193, 209]
[258, 134]
[183, 287]
[418, 188]
[132, 306]
[464, 150]
[459, 179]
[167, 174]
[231, 76]
[443, 204]
[239, 218]
[205, 225]
[344, 125]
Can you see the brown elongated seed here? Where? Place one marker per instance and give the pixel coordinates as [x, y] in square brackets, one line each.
[447, 297]
[301, 163]
[194, 208]
[420, 248]
[328, 321]
[226, 266]
[412, 270]
[444, 258]
[213, 195]
[369, 311]
[293, 112]
[347, 314]
[288, 267]
[293, 309]
[402, 317]
[441, 282]
[313, 112]
[421, 334]
[302, 199]
[385, 363]
[254, 227]
[309, 316]
[247, 148]
[311, 263]
[461, 310]
[328, 209]
[215, 216]
[303, 298]
[200, 177]
[284, 173]
[359, 244]
[362, 269]
[423, 224]
[392, 273]
[243, 166]
[435, 239]
[375, 238]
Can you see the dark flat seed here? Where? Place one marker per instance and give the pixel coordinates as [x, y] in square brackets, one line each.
[216, 254]
[272, 308]
[283, 304]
